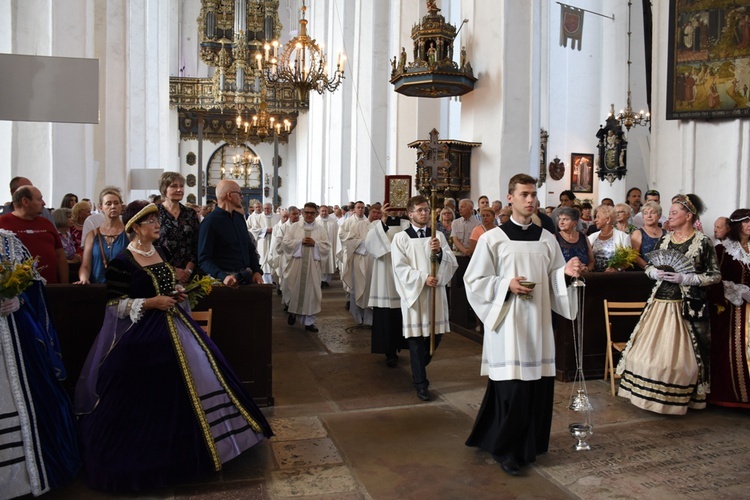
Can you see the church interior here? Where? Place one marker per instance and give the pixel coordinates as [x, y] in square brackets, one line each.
[207, 88]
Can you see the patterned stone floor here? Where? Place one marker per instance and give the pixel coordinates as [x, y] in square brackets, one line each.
[348, 427]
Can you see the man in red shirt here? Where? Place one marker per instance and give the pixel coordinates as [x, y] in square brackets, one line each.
[37, 233]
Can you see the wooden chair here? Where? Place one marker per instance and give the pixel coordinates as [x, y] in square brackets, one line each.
[617, 309]
[203, 318]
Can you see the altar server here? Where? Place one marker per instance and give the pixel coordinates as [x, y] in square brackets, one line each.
[518, 353]
[410, 252]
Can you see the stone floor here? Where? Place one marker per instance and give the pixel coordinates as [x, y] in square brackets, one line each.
[348, 427]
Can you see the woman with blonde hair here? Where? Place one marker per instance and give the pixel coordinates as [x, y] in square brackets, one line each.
[105, 242]
[645, 238]
[622, 218]
[606, 239]
[488, 223]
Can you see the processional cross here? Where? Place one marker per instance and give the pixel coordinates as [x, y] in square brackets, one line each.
[433, 158]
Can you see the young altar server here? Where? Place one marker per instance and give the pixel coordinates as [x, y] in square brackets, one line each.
[305, 245]
[514, 420]
[384, 299]
[410, 252]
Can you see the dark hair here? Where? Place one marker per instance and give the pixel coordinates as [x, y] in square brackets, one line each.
[610, 200]
[690, 203]
[414, 201]
[15, 182]
[484, 196]
[66, 200]
[586, 205]
[310, 204]
[519, 179]
[735, 228]
[631, 190]
[131, 210]
[653, 192]
[569, 194]
[20, 194]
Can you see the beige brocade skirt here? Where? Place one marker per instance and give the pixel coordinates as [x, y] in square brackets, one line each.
[661, 369]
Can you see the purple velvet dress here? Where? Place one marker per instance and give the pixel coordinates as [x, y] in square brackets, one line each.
[159, 403]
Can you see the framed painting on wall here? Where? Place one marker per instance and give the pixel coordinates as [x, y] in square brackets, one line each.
[582, 172]
[708, 72]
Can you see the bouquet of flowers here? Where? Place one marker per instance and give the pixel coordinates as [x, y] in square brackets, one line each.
[624, 258]
[199, 288]
[15, 277]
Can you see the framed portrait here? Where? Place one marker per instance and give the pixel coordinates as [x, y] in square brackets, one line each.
[582, 172]
[397, 190]
[708, 74]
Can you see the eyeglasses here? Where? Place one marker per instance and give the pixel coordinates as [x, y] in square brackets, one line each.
[421, 210]
[149, 222]
[620, 212]
[236, 192]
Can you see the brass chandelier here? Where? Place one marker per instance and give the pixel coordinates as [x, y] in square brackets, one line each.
[302, 64]
[627, 116]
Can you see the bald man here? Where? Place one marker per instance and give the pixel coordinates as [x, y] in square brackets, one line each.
[225, 249]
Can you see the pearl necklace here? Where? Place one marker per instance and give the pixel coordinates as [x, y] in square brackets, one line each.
[147, 253]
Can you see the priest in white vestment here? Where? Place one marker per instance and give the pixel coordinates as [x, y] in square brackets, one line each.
[384, 300]
[357, 264]
[257, 211]
[410, 252]
[331, 226]
[261, 227]
[518, 352]
[279, 259]
[306, 245]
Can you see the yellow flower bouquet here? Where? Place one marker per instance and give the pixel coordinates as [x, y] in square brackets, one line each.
[623, 258]
[199, 288]
[15, 277]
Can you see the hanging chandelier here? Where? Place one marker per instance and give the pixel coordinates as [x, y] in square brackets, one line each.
[262, 124]
[627, 116]
[302, 64]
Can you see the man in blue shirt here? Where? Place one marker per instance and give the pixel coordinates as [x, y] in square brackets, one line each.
[225, 250]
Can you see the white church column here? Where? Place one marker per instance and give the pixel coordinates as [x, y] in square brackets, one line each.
[6, 127]
[499, 112]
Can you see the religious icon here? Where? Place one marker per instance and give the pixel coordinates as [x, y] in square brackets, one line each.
[582, 175]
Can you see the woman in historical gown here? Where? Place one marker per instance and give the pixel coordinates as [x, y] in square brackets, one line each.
[38, 441]
[159, 403]
[730, 332]
[665, 365]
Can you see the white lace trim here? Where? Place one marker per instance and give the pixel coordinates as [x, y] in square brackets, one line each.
[735, 250]
[733, 292]
[132, 308]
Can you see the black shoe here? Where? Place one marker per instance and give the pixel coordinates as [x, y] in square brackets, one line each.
[510, 467]
[427, 360]
[286, 308]
[346, 306]
[423, 394]
[278, 291]
[291, 319]
[312, 328]
[391, 361]
[324, 284]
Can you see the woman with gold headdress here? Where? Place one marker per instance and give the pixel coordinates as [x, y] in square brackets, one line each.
[665, 365]
[730, 332]
[159, 403]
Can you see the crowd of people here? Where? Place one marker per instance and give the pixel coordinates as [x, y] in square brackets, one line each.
[688, 349]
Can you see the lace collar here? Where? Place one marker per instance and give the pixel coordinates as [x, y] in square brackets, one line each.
[736, 251]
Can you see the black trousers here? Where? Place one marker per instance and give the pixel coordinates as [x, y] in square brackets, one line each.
[419, 354]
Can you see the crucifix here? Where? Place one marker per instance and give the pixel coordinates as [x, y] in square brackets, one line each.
[433, 158]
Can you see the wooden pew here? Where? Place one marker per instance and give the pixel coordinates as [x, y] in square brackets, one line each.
[241, 329]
